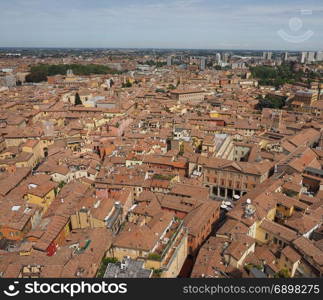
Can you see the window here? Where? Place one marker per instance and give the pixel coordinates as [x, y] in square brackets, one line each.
[215, 190]
[266, 236]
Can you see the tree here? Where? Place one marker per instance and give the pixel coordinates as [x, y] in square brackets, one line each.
[270, 101]
[104, 264]
[78, 99]
[37, 76]
[278, 75]
[157, 272]
[61, 184]
[39, 73]
[154, 256]
[283, 273]
[127, 84]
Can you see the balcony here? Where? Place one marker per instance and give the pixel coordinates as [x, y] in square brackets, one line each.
[167, 245]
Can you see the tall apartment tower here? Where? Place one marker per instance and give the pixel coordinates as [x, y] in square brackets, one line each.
[226, 57]
[267, 55]
[218, 58]
[202, 63]
[169, 60]
[310, 57]
[285, 56]
[303, 57]
[319, 56]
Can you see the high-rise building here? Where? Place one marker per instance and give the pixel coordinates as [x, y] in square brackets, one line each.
[310, 57]
[218, 58]
[285, 56]
[267, 55]
[303, 57]
[169, 60]
[225, 57]
[202, 63]
[307, 57]
[319, 56]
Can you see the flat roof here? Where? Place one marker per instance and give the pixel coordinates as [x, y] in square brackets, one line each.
[128, 268]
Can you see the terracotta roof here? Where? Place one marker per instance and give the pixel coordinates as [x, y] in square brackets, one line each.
[278, 230]
[291, 254]
[310, 251]
[302, 224]
[238, 248]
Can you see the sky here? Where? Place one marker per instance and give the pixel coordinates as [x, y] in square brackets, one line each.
[193, 24]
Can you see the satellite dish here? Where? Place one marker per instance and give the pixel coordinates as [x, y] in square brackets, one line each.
[248, 201]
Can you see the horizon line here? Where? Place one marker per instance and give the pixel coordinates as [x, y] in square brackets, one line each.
[156, 48]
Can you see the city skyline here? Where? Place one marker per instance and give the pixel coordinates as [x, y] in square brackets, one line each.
[191, 24]
[170, 139]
